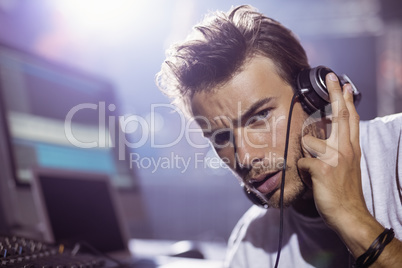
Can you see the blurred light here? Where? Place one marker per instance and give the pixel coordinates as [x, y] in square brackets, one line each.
[155, 121]
[130, 123]
[7, 5]
[99, 16]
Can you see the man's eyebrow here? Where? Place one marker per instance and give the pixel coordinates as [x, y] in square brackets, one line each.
[250, 111]
[255, 106]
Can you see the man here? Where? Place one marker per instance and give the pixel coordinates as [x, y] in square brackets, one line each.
[236, 75]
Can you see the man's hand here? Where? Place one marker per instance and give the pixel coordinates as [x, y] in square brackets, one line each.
[335, 170]
[336, 178]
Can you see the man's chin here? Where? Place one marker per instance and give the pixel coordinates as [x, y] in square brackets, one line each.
[291, 196]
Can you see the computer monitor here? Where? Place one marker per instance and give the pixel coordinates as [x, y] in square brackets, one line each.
[80, 208]
[59, 117]
[6, 213]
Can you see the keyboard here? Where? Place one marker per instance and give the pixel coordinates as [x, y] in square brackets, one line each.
[20, 252]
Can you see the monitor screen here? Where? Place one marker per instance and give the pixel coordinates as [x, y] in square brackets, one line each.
[59, 117]
[80, 207]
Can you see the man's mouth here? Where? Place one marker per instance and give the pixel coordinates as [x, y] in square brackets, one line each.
[266, 183]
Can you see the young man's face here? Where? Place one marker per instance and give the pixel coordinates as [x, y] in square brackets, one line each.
[251, 111]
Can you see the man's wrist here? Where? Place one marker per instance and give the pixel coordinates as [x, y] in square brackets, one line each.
[358, 232]
[375, 249]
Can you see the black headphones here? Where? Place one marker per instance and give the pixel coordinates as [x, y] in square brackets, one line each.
[312, 91]
[313, 96]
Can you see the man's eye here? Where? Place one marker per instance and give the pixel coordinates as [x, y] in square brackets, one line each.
[262, 115]
[220, 139]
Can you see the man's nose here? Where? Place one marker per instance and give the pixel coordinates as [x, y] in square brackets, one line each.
[249, 149]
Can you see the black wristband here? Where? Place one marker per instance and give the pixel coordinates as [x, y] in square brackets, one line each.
[375, 250]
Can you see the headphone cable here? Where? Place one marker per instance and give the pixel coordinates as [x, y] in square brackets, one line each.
[285, 156]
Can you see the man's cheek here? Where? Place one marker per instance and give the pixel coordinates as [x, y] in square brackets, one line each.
[278, 130]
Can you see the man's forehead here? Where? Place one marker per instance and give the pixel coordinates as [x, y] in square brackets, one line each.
[242, 114]
[218, 107]
[257, 81]
[209, 111]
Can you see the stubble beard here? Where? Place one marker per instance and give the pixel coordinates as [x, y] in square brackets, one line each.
[294, 186]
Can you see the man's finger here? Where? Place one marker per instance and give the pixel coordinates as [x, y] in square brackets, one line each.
[340, 113]
[314, 146]
[354, 118]
[305, 166]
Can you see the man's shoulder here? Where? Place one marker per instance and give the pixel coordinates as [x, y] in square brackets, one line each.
[388, 122]
[381, 131]
[381, 171]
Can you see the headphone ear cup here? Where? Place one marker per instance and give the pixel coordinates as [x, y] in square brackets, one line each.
[254, 198]
[312, 90]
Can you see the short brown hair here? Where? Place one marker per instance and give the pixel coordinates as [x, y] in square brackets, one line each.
[218, 48]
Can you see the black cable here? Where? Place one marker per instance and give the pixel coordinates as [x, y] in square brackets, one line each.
[285, 156]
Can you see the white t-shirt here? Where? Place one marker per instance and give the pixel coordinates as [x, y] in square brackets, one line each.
[308, 242]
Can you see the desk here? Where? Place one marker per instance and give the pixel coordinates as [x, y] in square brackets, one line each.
[162, 250]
